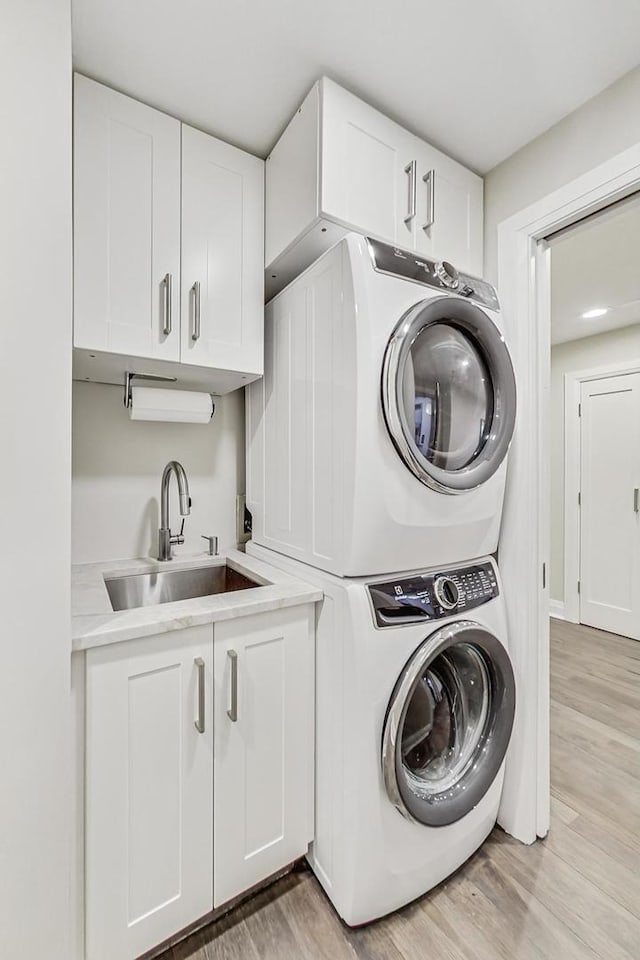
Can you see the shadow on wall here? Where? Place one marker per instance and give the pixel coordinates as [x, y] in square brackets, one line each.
[118, 463]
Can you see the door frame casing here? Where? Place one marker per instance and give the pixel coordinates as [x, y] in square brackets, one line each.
[573, 381]
[523, 281]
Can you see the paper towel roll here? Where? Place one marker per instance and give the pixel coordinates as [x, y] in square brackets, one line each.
[173, 406]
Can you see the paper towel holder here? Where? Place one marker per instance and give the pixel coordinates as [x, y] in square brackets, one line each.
[128, 377]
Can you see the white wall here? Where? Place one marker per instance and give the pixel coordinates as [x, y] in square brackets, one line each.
[118, 463]
[35, 475]
[597, 131]
[613, 347]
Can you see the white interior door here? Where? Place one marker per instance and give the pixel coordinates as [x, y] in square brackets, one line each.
[609, 518]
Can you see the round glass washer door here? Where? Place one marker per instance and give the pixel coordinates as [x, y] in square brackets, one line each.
[448, 394]
[448, 724]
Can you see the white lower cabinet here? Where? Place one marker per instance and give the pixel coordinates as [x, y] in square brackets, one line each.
[199, 756]
[264, 746]
[149, 791]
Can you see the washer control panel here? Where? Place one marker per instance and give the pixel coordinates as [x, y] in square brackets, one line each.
[433, 273]
[433, 596]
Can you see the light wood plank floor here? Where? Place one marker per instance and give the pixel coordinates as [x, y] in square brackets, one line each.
[573, 896]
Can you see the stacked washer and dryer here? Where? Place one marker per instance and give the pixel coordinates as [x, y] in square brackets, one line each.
[377, 445]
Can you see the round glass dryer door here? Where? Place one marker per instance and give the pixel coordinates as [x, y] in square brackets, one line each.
[448, 724]
[448, 394]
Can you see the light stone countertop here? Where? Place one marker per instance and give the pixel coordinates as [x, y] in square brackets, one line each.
[95, 623]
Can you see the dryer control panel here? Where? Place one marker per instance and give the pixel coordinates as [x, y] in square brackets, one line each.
[433, 595]
[433, 273]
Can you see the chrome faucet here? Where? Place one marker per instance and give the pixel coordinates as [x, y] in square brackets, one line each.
[165, 538]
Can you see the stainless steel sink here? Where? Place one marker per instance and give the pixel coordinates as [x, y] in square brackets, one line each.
[148, 589]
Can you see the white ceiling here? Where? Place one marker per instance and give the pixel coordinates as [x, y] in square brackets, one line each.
[595, 265]
[477, 79]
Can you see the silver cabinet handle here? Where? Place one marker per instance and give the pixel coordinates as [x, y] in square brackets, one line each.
[232, 713]
[199, 723]
[166, 304]
[410, 169]
[636, 500]
[195, 290]
[430, 180]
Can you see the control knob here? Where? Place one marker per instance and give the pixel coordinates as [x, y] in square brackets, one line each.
[447, 593]
[447, 274]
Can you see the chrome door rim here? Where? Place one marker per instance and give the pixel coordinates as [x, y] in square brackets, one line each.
[481, 331]
[479, 774]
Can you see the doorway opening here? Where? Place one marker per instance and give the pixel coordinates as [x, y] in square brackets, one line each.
[594, 420]
[524, 281]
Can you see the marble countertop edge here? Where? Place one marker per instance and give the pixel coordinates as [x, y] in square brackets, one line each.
[95, 623]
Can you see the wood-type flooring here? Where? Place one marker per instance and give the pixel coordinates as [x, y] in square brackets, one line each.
[573, 896]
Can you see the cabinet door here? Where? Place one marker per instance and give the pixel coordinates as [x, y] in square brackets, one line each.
[264, 746]
[368, 168]
[449, 211]
[222, 254]
[149, 791]
[126, 225]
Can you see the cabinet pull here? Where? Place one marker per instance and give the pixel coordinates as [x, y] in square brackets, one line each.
[636, 499]
[199, 723]
[410, 169]
[232, 712]
[195, 290]
[430, 180]
[166, 304]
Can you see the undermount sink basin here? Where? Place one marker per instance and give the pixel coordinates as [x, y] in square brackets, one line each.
[148, 589]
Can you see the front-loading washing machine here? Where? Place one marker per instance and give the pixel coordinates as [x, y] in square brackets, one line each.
[377, 439]
[415, 701]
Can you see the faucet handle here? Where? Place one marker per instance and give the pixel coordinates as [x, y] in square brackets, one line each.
[213, 545]
[178, 537]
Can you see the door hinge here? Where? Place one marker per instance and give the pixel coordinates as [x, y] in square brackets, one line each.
[544, 575]
[579, 409]
[578, 586]
[579, 499]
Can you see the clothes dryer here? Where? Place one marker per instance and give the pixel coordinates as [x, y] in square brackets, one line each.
[378, 437]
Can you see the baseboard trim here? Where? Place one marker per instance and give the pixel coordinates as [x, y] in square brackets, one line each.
[556, 609]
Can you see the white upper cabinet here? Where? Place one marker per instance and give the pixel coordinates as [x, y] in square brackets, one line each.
[222, 254]
[168, 246]
[342, 165]
[449, 210]
[126, 225]
[368, 168]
